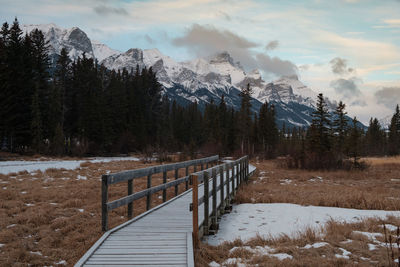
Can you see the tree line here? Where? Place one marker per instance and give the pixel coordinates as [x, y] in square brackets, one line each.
[81, 108]
[333, 141]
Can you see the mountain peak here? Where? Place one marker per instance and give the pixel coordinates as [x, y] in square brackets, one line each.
[222, 57]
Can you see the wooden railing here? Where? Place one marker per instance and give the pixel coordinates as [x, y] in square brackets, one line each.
[129, 176]
[231, 175]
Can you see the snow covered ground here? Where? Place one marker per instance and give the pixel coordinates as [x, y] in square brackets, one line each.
[247, 220]
[29, 166]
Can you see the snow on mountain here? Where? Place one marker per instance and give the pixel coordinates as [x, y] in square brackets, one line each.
[223, 64]
[102, 51]
[74, 40]
[202, 79]
[385, 122]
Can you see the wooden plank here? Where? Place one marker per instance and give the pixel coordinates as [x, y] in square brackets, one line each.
[176, 178]
[104, 200]
[189, 249]
[133, 174]
[195, 212]
[148, 198]
[170, 226]
[128, 199]
[214, 200]
[130, 205]
[164, 193]
[206, 203]
[187, 174]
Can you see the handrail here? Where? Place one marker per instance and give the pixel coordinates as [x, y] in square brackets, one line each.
[129, 176]
[235, 173]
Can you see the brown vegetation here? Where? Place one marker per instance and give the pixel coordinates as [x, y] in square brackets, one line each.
[54, 217]
[378, 187]
[340, 238]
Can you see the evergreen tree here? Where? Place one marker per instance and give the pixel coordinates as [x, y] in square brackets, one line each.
[321, 123]
[394, 133]
[245, 118]
[340, 130]
[354, 143]
[374, 138]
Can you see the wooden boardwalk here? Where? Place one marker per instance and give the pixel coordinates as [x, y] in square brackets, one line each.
[161, 236]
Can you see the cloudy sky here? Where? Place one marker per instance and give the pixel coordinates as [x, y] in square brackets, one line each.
[347, 49]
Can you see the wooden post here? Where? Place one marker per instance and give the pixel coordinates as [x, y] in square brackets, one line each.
[104, 200]
[237, 175]
[221, 179]
[148, 199]
[233, 179]
[201, 167]
[164, 192]
[130, 205]
[187, 182]
[176, 178]
[195, 210]
[228, 183]
[206, 203]
[214, 200]
[207, 165]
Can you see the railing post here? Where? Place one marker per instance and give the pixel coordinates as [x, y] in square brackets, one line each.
[206, 203]
[187, 182]
[228, 182]
[164, 192]
[195, 210]
[148, 199]
[233, 178]
[201, 166]
[176, 178]
[246, 167]
[207, 165]
[130, 205]
[214, 200]
[221, 178]
[237, 175]
[104, 200]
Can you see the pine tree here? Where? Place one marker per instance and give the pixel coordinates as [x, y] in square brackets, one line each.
[321, 123]
[374, 138]
[245, 118]
[36, 124]
[354, 143]
[340, 130]
[394, 133]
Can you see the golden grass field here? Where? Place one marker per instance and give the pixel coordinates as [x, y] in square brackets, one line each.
[378, 187]
[52, 218]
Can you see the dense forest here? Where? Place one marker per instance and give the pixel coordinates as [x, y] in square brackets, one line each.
[82, 108]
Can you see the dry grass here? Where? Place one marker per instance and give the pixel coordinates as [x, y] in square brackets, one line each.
[50, 217]
[338, 236]
[378, 187]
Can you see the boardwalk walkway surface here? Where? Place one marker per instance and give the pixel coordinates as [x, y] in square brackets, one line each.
[161, 236]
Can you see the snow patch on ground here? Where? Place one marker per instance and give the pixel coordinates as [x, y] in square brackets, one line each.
[390, 227]
[345, 254]
[33, 166]
[316, 245]
[286, 181]
[246, 221]
[81, 178]
[2, 245]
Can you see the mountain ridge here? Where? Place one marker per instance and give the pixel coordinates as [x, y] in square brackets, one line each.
[202, 79]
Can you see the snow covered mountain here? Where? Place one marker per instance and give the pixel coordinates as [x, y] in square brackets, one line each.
[201, 79]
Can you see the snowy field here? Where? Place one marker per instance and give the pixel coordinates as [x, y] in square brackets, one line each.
[246, 221]
[30, 166]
